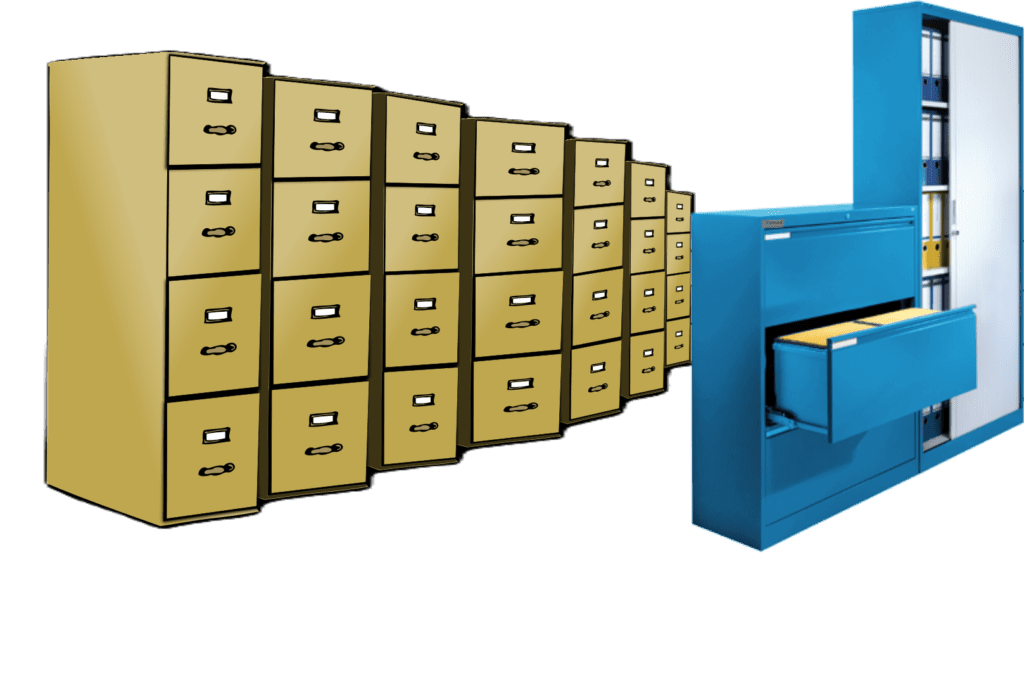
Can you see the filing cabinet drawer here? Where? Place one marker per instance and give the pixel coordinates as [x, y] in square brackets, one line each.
[678, 293]
[421, 319]
[212, 447]
[518, 235]
[647, 302]
[321, 228]
[677, 341]
[516, 397]
[600, 173]
[422, 141]
[421, 228]
[514, 159]
[213, 221]
[321, 130]
[597, 306]
[647, 246]
[214, 334]
[647, 190]
[215, 112]
[596, 374]
[318, 437]
[678, 208]
[321, 329]
[420, 411]
[647, 362]
[597, 238]
[677, 253]
[518, 313]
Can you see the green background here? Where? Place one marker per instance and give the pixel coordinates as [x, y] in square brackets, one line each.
[571, 558]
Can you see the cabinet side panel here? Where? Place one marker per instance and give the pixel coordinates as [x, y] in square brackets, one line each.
[107, 264]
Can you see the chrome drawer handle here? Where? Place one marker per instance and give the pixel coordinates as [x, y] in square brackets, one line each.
[648, 310]
[216, 470]
[326, 238]
[648, 251]
[600, 244]
[598, 388]
[600, 315]
[523, 242]
[648, 369]
[323, 450]
[521, 407]
[524, 171]
[326, 342]
[523, 324]
[220, 129]
[218, 349]
[650, 199]
[425, 427]
[679, 346]
[426, 156]
[327, 146]
[217, 233]
[603, 183]
[426, 331]
[425, 238]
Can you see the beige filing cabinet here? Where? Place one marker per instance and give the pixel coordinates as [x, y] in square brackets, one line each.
[679, 206]
[643, 310]
[592, 252]
[510, 255]
[414, 252]
[152, 402]
[316, 286]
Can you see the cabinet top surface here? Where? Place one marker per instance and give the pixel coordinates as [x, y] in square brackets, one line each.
[821, 213]
[946, 13]
[171, 53]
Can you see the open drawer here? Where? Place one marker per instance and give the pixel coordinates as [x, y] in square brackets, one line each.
[846, 379]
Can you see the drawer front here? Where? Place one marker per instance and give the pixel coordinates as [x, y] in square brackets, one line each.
[321, 130]
[677, 341]
[318, 437]
[421, 228]
[597, 306]
[321, 228]
[422, 142]
[518, 235]
[421, 319]
[518, 313]
[600, 173]
[647, 246]
[678, 292]
[516, 397]
[212, 447]
[647, 302]
[597, 238]
[647, 191]
[678, 208]
[213, 221]
[216, 110]
[647, 363]
[321, 329]
[595, 378]
[420, 411]
[677, 253]
[519, 160]
[214, 334]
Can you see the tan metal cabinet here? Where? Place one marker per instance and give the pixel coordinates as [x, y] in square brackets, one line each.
[515, 159]
[678, 295]
[598, 173]
[646, 363]
[677, 258]
[677, 342]
[596, 238]
[420, 411]
[518, 235]
[678, 209]
[421, 319]
[422, 140]
[647, 302]
[594, 381]
[321, 228]
[422, 228]
[518, 313]
[647, 245]
[516, 398]
[596, 307]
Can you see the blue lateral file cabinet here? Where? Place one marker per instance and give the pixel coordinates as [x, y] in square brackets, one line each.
[815, 364]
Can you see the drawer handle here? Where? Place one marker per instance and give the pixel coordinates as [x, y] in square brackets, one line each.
[216, 470]
[598, 388]
[218, 349]
[523, 324]
[680, 301]
[323, 450]
[523, 242]
[434, 330]
[680, 219]
[600, 244]
[326, 342]
[521, 407]
[418, 155]
[327, 146]
[680, 257]
[679, 346]
[649, 369]
[425, 238]
[220, 129]
[326, 238]
[217, 233]
[648, 310]
[603, 183]
[425, 427]
[524, 171]
[648, 251]
[649, 199]
[600, 315]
